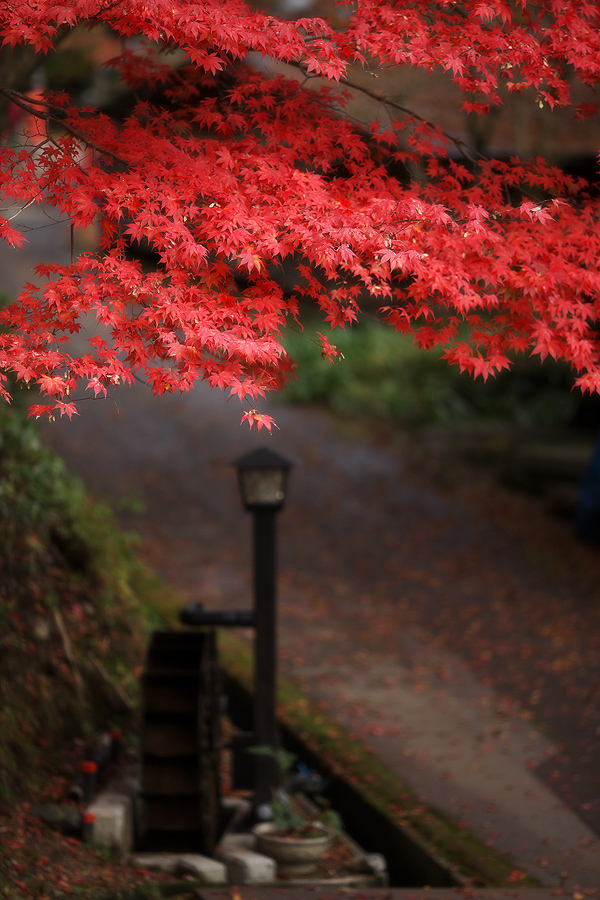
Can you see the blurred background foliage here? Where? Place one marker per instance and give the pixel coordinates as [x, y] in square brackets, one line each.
[386, 376]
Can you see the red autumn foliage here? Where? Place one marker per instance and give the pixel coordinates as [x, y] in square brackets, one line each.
[232, 174]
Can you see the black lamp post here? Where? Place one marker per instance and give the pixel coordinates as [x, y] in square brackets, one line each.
[262, 478]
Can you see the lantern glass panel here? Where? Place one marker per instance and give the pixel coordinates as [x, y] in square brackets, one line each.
[263, 486]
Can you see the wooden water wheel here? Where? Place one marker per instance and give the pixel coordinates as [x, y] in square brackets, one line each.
[180, 743]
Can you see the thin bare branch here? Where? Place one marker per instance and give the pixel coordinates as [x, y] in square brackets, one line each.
[42, 109]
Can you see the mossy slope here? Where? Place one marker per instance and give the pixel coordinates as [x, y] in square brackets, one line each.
[72, 624]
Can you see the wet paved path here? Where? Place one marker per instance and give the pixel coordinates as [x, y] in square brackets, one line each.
[438, 622]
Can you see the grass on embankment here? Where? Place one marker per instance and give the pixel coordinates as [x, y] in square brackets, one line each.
[76, 606]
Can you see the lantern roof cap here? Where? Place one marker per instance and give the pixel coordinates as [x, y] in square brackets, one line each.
[263, 458]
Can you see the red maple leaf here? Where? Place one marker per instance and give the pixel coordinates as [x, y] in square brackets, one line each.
[260, 420]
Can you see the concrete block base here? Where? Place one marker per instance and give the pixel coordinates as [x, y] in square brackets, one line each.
[209, 871]
[155, 862]
[113, 823]
[244, 866]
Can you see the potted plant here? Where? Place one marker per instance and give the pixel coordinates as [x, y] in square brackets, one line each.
[298, 834]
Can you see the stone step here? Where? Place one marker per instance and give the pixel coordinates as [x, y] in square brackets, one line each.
[210, 871]
[112, 827]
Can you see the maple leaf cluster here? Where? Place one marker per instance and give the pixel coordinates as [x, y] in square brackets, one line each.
[257, 192]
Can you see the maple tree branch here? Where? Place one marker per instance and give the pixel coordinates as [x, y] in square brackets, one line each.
[462, 146]
[57, 115]
[465, 149]
[68, 651]
[111, 683]
[18, 63]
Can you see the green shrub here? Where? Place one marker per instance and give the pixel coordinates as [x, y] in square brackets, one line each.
[386, 375]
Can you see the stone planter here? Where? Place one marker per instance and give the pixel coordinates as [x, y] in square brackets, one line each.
[295, 856]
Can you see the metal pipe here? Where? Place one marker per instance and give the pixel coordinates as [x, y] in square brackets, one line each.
[265, 650]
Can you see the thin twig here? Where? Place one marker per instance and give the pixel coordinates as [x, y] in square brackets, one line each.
[52, 113]
[460, 145]
[68, 651]
[107, 678]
